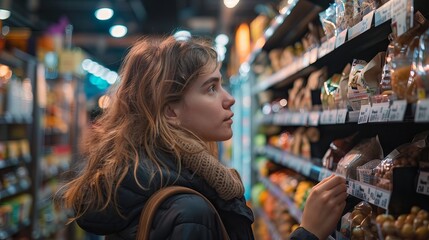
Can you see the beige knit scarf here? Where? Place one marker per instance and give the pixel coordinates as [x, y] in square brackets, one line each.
[226, 181]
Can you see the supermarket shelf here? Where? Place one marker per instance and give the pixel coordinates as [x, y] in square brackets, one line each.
[15, 189]
[9, 232]
[280, 195]
[392, 112]
[13, 162]
[372, 194]
[335, 50]
[273, 231]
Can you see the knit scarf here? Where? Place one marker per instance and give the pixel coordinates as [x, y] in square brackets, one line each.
[226, 181]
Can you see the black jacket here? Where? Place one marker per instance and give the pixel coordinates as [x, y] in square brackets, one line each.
[182, 216]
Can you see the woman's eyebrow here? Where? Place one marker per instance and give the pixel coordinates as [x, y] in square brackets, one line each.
[210, 81]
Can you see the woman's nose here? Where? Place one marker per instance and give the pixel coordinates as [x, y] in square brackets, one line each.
[229, 100]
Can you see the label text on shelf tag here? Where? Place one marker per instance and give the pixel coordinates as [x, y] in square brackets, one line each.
[313, 118]
[399, 16]
[341, 115]
[379, 112]
[341, 38]
[422, 111]
[313, 55]
[397, 110]
[362, 26]
[364, 114]
[331, 45]
[423, 183]
[382, 14]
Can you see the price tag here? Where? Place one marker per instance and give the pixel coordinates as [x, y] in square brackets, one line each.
[379, 112]
[277, 119]
[330, 45]
[329, 117]
[324, 173]
[422, 111]
[341, 115]
[313, 55]
[364, 114]
[323, 49]
[382, 14]
[341, 38]
[306, 168]
[313, 118]
[399, 16]
[306, 59]
[423, 183]
[397, 111]
[296, 118]
[304, 118]
[362, 26]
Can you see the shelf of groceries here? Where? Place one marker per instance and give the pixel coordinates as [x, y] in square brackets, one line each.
[317, 91]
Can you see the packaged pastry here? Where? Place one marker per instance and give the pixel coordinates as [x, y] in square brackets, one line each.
[357, 93]
[337, 150]
[358, 224]
[365, 151]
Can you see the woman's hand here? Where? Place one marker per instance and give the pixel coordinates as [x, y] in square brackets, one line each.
[324, 206]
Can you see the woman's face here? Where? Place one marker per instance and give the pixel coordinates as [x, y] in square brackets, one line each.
[206, 108]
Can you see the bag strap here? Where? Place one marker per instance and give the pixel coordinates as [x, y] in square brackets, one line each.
[156, 200]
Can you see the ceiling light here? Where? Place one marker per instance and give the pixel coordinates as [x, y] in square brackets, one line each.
[104, 13]
[230, 3]
[118, 30]
[4, 9]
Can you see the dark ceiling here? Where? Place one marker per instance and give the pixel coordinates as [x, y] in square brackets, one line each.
[202, 17]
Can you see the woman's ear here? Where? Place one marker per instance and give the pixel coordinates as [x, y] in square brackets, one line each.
[171, 114]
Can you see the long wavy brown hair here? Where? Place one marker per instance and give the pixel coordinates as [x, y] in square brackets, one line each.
[155, 73]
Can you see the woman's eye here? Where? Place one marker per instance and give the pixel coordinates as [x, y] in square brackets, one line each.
[212, 88]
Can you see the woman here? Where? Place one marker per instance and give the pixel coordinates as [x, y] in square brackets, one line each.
[161, 128]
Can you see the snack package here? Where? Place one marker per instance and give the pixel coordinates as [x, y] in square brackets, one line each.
[365, 151]
[329, 88]
[337, 150]
[357, 93]
[340, 94]
[406, 155]
[328, 20]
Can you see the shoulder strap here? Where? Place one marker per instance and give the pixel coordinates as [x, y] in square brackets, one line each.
[156, 200]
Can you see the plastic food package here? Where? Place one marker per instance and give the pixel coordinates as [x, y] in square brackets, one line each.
[337, 150]
[328, 20]
[358, 224]
[356, 89]
[406, 155]
[365, 151]
[366, 172]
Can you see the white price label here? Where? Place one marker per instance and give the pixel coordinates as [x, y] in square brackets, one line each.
[341, 115]
[379, 112]
[330, 45]
[323, 49]
[423, 183]
[313, 55]
[362, 26]
[313, 118]
[397, 111]
[364, 114]
[329, 117]
[422, 111]
[306, 168]
[382, 14]
[341, 38]
[399, 16]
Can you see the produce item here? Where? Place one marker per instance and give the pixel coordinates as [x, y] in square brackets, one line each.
[365, 151]
[412, 225]
[302, 191]
[358, 224]
[337, 150]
